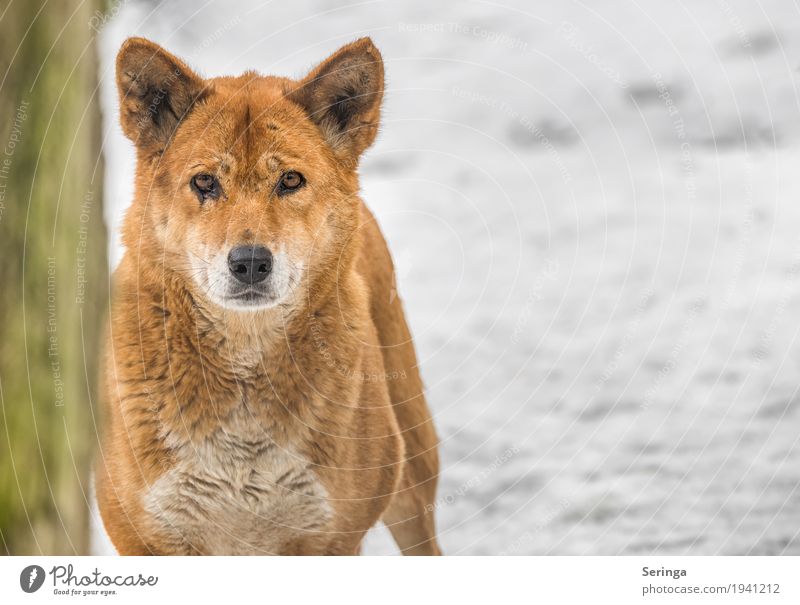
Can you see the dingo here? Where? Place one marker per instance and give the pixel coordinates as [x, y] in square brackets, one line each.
[261, 385]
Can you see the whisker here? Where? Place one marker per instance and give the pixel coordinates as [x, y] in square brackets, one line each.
[200, 258]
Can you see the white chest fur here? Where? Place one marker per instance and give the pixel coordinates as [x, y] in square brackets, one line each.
[237, 492]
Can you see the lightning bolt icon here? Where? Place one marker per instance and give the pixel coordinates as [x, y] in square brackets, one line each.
[33, 577]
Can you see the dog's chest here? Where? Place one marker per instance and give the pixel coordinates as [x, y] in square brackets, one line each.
[237, 492]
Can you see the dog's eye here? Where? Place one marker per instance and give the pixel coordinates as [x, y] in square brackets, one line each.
[205, 186]
[290, 181]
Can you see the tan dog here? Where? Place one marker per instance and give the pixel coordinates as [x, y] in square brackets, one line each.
[261, 385]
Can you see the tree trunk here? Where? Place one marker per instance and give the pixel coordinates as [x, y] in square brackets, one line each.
[53, 273]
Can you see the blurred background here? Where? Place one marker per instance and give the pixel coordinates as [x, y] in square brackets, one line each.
[593, 209]
[53, 271]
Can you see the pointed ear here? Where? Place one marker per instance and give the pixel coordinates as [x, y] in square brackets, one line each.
[156, 91]
[343, 97]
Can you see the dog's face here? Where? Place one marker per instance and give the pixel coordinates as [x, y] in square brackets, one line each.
[249, 183]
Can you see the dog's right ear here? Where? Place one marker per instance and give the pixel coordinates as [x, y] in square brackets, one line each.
[342, 95]
[156, 91]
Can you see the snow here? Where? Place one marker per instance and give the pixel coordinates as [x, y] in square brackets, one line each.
[593, 209]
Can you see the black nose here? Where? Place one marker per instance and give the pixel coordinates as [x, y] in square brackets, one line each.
[250, 264]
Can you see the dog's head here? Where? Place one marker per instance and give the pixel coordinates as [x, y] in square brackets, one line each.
[247, 185]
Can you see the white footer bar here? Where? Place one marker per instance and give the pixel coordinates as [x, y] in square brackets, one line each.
[408, 580]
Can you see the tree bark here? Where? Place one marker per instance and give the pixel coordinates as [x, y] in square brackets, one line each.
[53, 273]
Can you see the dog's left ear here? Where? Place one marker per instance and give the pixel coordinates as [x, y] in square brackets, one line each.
[156, 92]
[343, 97]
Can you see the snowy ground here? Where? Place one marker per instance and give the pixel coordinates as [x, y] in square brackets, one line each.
[594, 213]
